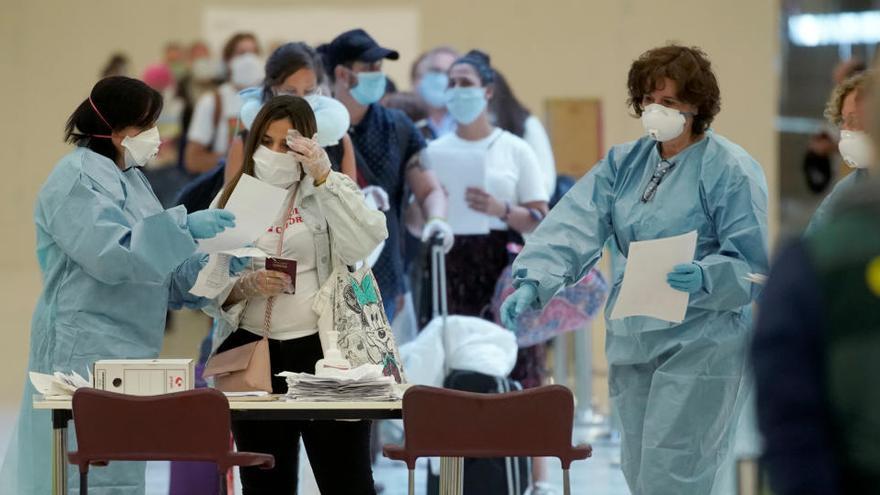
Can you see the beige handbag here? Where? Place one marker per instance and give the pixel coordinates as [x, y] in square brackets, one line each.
[248, 368]
[242, 369]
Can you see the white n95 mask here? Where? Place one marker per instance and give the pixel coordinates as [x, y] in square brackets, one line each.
[662, 123]
[279, 169]
[856, 149]
[141, 148]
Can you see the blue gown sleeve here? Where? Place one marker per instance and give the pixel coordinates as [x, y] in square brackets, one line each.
[737, 204]
[182, 280]
[92, 228]
[788, 362]
[823, 212]
[569, 242]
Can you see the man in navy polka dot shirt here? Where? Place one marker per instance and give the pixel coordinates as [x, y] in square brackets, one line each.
[387, 147]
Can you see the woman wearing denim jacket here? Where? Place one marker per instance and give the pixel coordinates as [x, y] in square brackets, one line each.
[324, 223]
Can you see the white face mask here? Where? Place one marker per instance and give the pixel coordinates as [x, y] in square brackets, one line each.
[856, 149]
[206, 69]
[141, 148]
[279, 169]
[662, 123]
[246, 70]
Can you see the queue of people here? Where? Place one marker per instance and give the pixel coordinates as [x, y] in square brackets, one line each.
[320, 123]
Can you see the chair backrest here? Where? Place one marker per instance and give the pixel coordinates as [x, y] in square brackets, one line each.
[450, 423]
[190, 425]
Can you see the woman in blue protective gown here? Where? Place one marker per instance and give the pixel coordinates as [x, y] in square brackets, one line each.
[112, 263]
[676, 387]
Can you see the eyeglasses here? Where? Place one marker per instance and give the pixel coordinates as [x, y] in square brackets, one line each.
[660, 172]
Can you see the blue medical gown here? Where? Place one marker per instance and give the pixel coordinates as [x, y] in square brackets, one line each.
[112, 263]
[677, 388]
[823, 212]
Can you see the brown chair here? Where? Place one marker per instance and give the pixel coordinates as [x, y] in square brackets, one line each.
[450, 423]
[184, 426]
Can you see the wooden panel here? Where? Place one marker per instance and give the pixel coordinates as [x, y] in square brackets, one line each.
[575, 128]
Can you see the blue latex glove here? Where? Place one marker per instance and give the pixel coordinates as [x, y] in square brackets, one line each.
[206, 224]
[237, 265]
[687, 277]
[517, 303]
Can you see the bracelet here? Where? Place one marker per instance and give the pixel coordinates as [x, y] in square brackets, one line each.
[506, 211]
[322, 181]
[536, 214]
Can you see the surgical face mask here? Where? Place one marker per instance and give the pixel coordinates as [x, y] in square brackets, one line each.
[432, 88]
[662, 123]
[331, 117]
[141, 148]
[370, 87]
[205, 69]
[246, 70]
[178, 69]
[856, 149]
[278, 169]
[466, 104]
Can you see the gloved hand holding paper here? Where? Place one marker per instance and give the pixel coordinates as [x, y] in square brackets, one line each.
[645, 291]
[214, 278]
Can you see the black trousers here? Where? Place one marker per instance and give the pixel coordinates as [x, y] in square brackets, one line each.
[339, 451]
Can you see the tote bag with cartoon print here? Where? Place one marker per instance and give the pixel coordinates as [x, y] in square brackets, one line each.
[358, 316]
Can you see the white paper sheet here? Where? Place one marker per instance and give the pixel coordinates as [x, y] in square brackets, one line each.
[256, 206]
[458, 170]
[214, 277]
[58, 384]
[645, 291]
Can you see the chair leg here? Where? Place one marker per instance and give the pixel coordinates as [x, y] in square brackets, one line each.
[84, 483]
[566, 482]
[412, 482]
[221, 482]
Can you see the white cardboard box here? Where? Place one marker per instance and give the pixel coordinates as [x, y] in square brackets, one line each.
[145, 376]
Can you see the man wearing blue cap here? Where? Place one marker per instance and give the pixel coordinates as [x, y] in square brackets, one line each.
[387, 146]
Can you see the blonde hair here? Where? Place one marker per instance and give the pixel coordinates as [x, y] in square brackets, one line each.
[858, 83]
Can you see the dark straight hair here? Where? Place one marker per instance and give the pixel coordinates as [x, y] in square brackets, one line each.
[286, 60]
[293, 108]
[122, 102]
[510, 114]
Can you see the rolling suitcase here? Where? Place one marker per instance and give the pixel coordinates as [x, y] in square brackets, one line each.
[497, 476]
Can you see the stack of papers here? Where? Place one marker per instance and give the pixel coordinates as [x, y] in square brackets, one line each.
[364, 383]
[58, 385]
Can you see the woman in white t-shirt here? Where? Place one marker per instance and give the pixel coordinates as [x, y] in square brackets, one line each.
[215, 117]
[324, 222]
[515, 196]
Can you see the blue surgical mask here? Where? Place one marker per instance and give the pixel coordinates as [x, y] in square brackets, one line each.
[370, 87]
[432, 88]
[465, 104]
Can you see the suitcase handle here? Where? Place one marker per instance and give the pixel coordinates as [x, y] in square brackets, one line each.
[438, 280]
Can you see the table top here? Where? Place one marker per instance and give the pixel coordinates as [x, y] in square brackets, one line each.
[274, 402]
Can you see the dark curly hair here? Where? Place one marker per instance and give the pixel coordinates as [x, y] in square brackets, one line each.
[692, 72]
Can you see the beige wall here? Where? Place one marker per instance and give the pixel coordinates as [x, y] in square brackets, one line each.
[52, 50]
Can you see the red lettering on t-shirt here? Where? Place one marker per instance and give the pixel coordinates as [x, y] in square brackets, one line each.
[294, 219]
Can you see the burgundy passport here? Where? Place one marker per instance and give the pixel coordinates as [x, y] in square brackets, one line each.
[284, 266]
